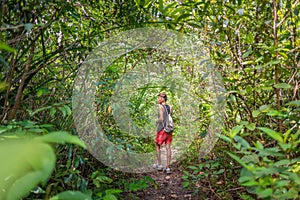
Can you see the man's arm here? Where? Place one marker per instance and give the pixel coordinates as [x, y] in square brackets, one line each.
[161, 114]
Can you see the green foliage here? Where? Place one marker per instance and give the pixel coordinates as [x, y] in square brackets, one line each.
[137, 185]
[104, 186]
[5, 47]
[134, 184]
[110, 194]
[269, 172]
[270, 162]
[262, 115]
[71, 195]
[202, 171]
[210, 175]
[30, 160]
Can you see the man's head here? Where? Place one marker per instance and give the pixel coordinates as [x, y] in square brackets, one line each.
[162, 97]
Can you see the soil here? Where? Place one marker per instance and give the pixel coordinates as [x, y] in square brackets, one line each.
[167, 186]
[170, 186]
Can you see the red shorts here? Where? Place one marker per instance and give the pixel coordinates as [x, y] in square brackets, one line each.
[163, 137]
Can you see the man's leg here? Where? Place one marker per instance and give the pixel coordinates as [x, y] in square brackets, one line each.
[158, 154]
[168, 148]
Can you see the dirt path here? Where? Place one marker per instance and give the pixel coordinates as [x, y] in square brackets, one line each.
[170, 186]
[167, 186]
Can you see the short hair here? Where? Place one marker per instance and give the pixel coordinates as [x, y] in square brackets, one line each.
[163, 95]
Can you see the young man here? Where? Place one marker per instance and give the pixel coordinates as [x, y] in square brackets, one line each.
[161, 135]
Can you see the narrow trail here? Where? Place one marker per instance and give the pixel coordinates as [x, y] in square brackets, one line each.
[167, 186]
[170, 186]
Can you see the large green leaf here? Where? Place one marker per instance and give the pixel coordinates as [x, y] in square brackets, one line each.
[282, 85]
[251, 126]
[235, 130]
[294, 103]
[71, 195]
[262, 171]
[5, 47]
[242, 141]
[110, 197]
[24, 164]
[269, 152]
[239, 160]
[263, 193]
[265, 108]
[273, 134]
[61, 137]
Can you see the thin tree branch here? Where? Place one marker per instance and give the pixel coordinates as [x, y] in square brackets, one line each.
[277, 90]
[287, 14]
[21, 86]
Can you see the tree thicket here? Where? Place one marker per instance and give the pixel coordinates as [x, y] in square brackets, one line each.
[254, 45]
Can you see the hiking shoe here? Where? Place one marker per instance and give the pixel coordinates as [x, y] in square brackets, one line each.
[168, 171]
[158, 167]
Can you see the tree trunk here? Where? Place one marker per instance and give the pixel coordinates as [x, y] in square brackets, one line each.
[18, 98]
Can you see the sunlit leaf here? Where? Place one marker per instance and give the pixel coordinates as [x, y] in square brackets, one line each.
[282, 162]
[235, 130]
[225, 138]
[265, 108]
[294, 103]
[282, 85]
[61, 137]
[242, 141]
[273, 134]
[110, 197]
[251, 126]
[236, 158]
[3, 86]
[249, 183]
[71, 195]
[6, 47]
[255, 113]
[273, 62]
[263, 193]
[28, 163]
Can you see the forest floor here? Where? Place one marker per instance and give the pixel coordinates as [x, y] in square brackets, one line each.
[170, 186]
[166, 186]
